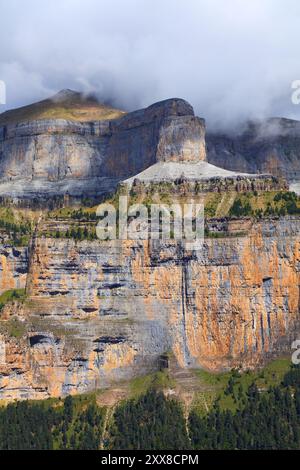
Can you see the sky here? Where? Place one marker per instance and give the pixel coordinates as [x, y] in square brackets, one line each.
[233, 60]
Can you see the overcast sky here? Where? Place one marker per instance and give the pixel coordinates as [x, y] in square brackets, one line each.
[231, 59]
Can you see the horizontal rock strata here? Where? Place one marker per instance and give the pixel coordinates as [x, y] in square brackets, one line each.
[97, 312]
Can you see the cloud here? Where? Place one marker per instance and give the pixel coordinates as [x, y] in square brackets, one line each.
[231, 59]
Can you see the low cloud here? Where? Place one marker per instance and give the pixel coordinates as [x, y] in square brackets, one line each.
[233, 60]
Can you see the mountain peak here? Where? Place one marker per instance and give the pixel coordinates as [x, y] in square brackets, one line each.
[66, 104]
[66, 94]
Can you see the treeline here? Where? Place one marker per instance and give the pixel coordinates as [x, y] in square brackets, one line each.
[152, 422]
[267, 421]
[75, 214]
[40, 425]
[262, 420]
[18, 233]
[282, 204]
[76, 233]
[81, 214]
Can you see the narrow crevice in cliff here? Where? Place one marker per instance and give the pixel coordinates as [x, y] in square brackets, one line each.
[31, 258]
[184, 305]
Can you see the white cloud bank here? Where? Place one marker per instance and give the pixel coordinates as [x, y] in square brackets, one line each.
[231, 59]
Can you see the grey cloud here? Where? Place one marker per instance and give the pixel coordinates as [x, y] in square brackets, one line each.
[231, 59]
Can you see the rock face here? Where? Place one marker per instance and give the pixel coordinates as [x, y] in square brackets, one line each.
[103, 311]
[51, 157]
[55, 156]
[271, 147]
[100, 311]
[13, 267]
[195, 177]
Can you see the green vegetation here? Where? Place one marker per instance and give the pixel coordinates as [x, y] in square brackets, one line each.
[158, 380]
[75, 233]
[72, 107]
[16, 226]
[269, 420]
[265, 204]
[252, 410]
[228, 204]
[83, 220]
[151, 422]
[72, 424]
[222, 234]
[240, 209]
[82, 214]
[81, 226]
[11, 295]
[13, 327]
[226, 387]
[212, 202]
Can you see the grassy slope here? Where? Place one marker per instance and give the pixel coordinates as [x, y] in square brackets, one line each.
[198, 388]
[10, 295]
[72, 107]
[16, 225]
[213, 386]
[215, 204]
[92, 418]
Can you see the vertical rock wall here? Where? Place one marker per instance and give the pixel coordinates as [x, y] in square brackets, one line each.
[97, 312]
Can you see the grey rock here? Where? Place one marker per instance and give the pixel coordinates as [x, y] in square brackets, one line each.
[49, 157]
[271, 146]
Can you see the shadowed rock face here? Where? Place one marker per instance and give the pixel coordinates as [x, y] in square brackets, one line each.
[65, 155]
[13, 267]
[271, 146]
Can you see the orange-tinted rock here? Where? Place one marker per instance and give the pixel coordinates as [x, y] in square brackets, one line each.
[98, 312]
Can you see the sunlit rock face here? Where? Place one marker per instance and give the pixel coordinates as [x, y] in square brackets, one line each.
[55, 156]
[98, 312]
[48, 158]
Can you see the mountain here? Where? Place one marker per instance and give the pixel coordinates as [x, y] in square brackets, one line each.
[67, 104]
[48, 158]
[78, 313]
[97, 312]
[268, 146]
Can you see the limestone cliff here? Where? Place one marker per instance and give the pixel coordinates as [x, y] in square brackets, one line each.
[52, 157]
[13, 267]
[270, 146]
[102, 311]
[87, 148]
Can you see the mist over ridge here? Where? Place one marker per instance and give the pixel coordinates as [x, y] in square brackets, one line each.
[232, 60]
